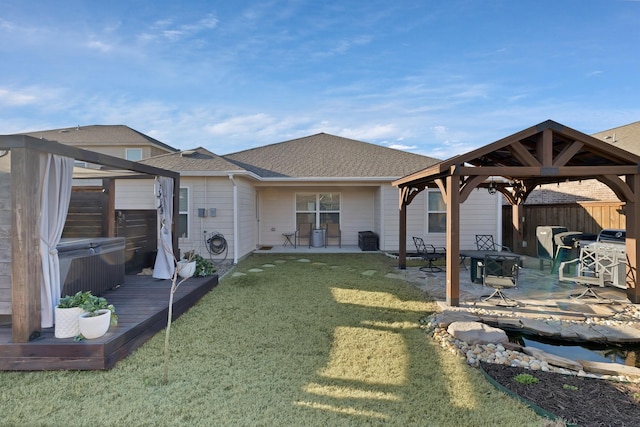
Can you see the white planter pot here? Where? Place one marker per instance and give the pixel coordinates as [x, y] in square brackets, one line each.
[186, 269]
[94, 326]
[66, 322]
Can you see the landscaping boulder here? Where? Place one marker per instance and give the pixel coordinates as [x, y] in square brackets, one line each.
[477, 333]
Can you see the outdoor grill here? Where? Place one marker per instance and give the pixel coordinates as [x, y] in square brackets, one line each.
[612, 241]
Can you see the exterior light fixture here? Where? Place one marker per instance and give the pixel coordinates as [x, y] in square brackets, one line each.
[492, 189]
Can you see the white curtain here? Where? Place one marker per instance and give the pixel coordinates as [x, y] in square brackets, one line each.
[57, 176]
[164, 265]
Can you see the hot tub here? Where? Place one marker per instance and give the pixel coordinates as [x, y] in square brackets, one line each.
[91, 264]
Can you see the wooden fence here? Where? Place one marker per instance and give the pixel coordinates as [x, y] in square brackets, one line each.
[587, 217]
[86, 218]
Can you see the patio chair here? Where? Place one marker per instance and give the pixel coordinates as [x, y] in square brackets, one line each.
[485, 242]
[332, 232]
[430, 254]
[593, 268]
[500, 272]
[303, 232]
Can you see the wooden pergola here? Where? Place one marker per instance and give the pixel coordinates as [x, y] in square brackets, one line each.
[25, 206]
[546, 153]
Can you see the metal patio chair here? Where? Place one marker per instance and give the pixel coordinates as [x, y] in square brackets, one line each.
[500, 272]
[430, 254]
[594, 268]
[303, 232]
[332, 232]
[485, 242]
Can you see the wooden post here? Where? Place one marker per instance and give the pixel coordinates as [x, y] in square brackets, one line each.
[517, 227]
[26, 268]
[632, 212]
[452, 199]
[109, 207]
[402, 238]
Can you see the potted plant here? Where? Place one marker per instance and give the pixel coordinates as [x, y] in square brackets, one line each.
[67, 313]
[203, 266]
[97, 318]
[186, 267]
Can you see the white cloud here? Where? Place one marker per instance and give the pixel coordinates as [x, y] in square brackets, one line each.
[241, 125]
[12, 98]
[98, 45]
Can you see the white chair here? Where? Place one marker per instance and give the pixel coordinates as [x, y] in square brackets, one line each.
[594, 267]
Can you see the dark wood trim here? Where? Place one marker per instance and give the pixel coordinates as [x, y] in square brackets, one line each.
[25, 255]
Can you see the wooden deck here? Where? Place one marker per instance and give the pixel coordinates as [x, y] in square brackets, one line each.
[142, 307]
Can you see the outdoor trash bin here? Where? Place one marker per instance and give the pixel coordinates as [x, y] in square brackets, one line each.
[317, 237]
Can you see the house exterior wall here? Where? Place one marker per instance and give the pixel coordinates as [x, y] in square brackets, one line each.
[277, 211]
[119, 150]
[477, 216]
[5, 235]
[247, 217]
[135, 194]
[570, 192]
[207, 193]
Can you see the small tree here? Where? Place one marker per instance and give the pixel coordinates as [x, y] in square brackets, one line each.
[176, 281]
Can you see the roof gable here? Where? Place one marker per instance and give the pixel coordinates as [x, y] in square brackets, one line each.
[99, 135]
[325, 156]
[198, 159]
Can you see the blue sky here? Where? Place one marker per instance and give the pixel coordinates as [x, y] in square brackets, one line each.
[433, 77]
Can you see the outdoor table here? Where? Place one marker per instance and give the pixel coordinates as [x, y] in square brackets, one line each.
[288, 237]
[476, 257]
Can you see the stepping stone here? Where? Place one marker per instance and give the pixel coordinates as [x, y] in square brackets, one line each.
[477, 333]
[368, 273]
[618, 333]
[319, 263]
[610, 368]
[446, 318]
[394, 276]
[304, 260]
[540, 327]
[552, 359]
[237, 274]
[583, 332]
[279, 261]
[255, 270]
[268, 266]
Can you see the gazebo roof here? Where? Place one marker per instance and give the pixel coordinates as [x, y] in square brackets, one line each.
[545, 153]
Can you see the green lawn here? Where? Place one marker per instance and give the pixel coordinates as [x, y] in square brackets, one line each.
[326, 342]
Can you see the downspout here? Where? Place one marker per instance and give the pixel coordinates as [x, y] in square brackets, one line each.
[499, 220]
[235, 219]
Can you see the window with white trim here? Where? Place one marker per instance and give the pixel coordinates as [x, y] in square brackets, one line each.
[183, 214]
[436, 213]
[133, 154]
[317, 209]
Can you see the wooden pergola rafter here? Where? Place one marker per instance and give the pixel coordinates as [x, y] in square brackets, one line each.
[546, 153]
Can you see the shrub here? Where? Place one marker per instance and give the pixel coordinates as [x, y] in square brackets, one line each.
[204, 267]
[526, 379]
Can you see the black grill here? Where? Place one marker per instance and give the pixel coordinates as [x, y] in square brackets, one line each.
[612, 236]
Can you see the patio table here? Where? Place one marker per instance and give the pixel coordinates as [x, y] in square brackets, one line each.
[476, 257]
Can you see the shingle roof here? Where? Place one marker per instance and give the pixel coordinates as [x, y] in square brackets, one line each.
[626, 137]
[99, 135]
[198, 159]
[324, 155]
